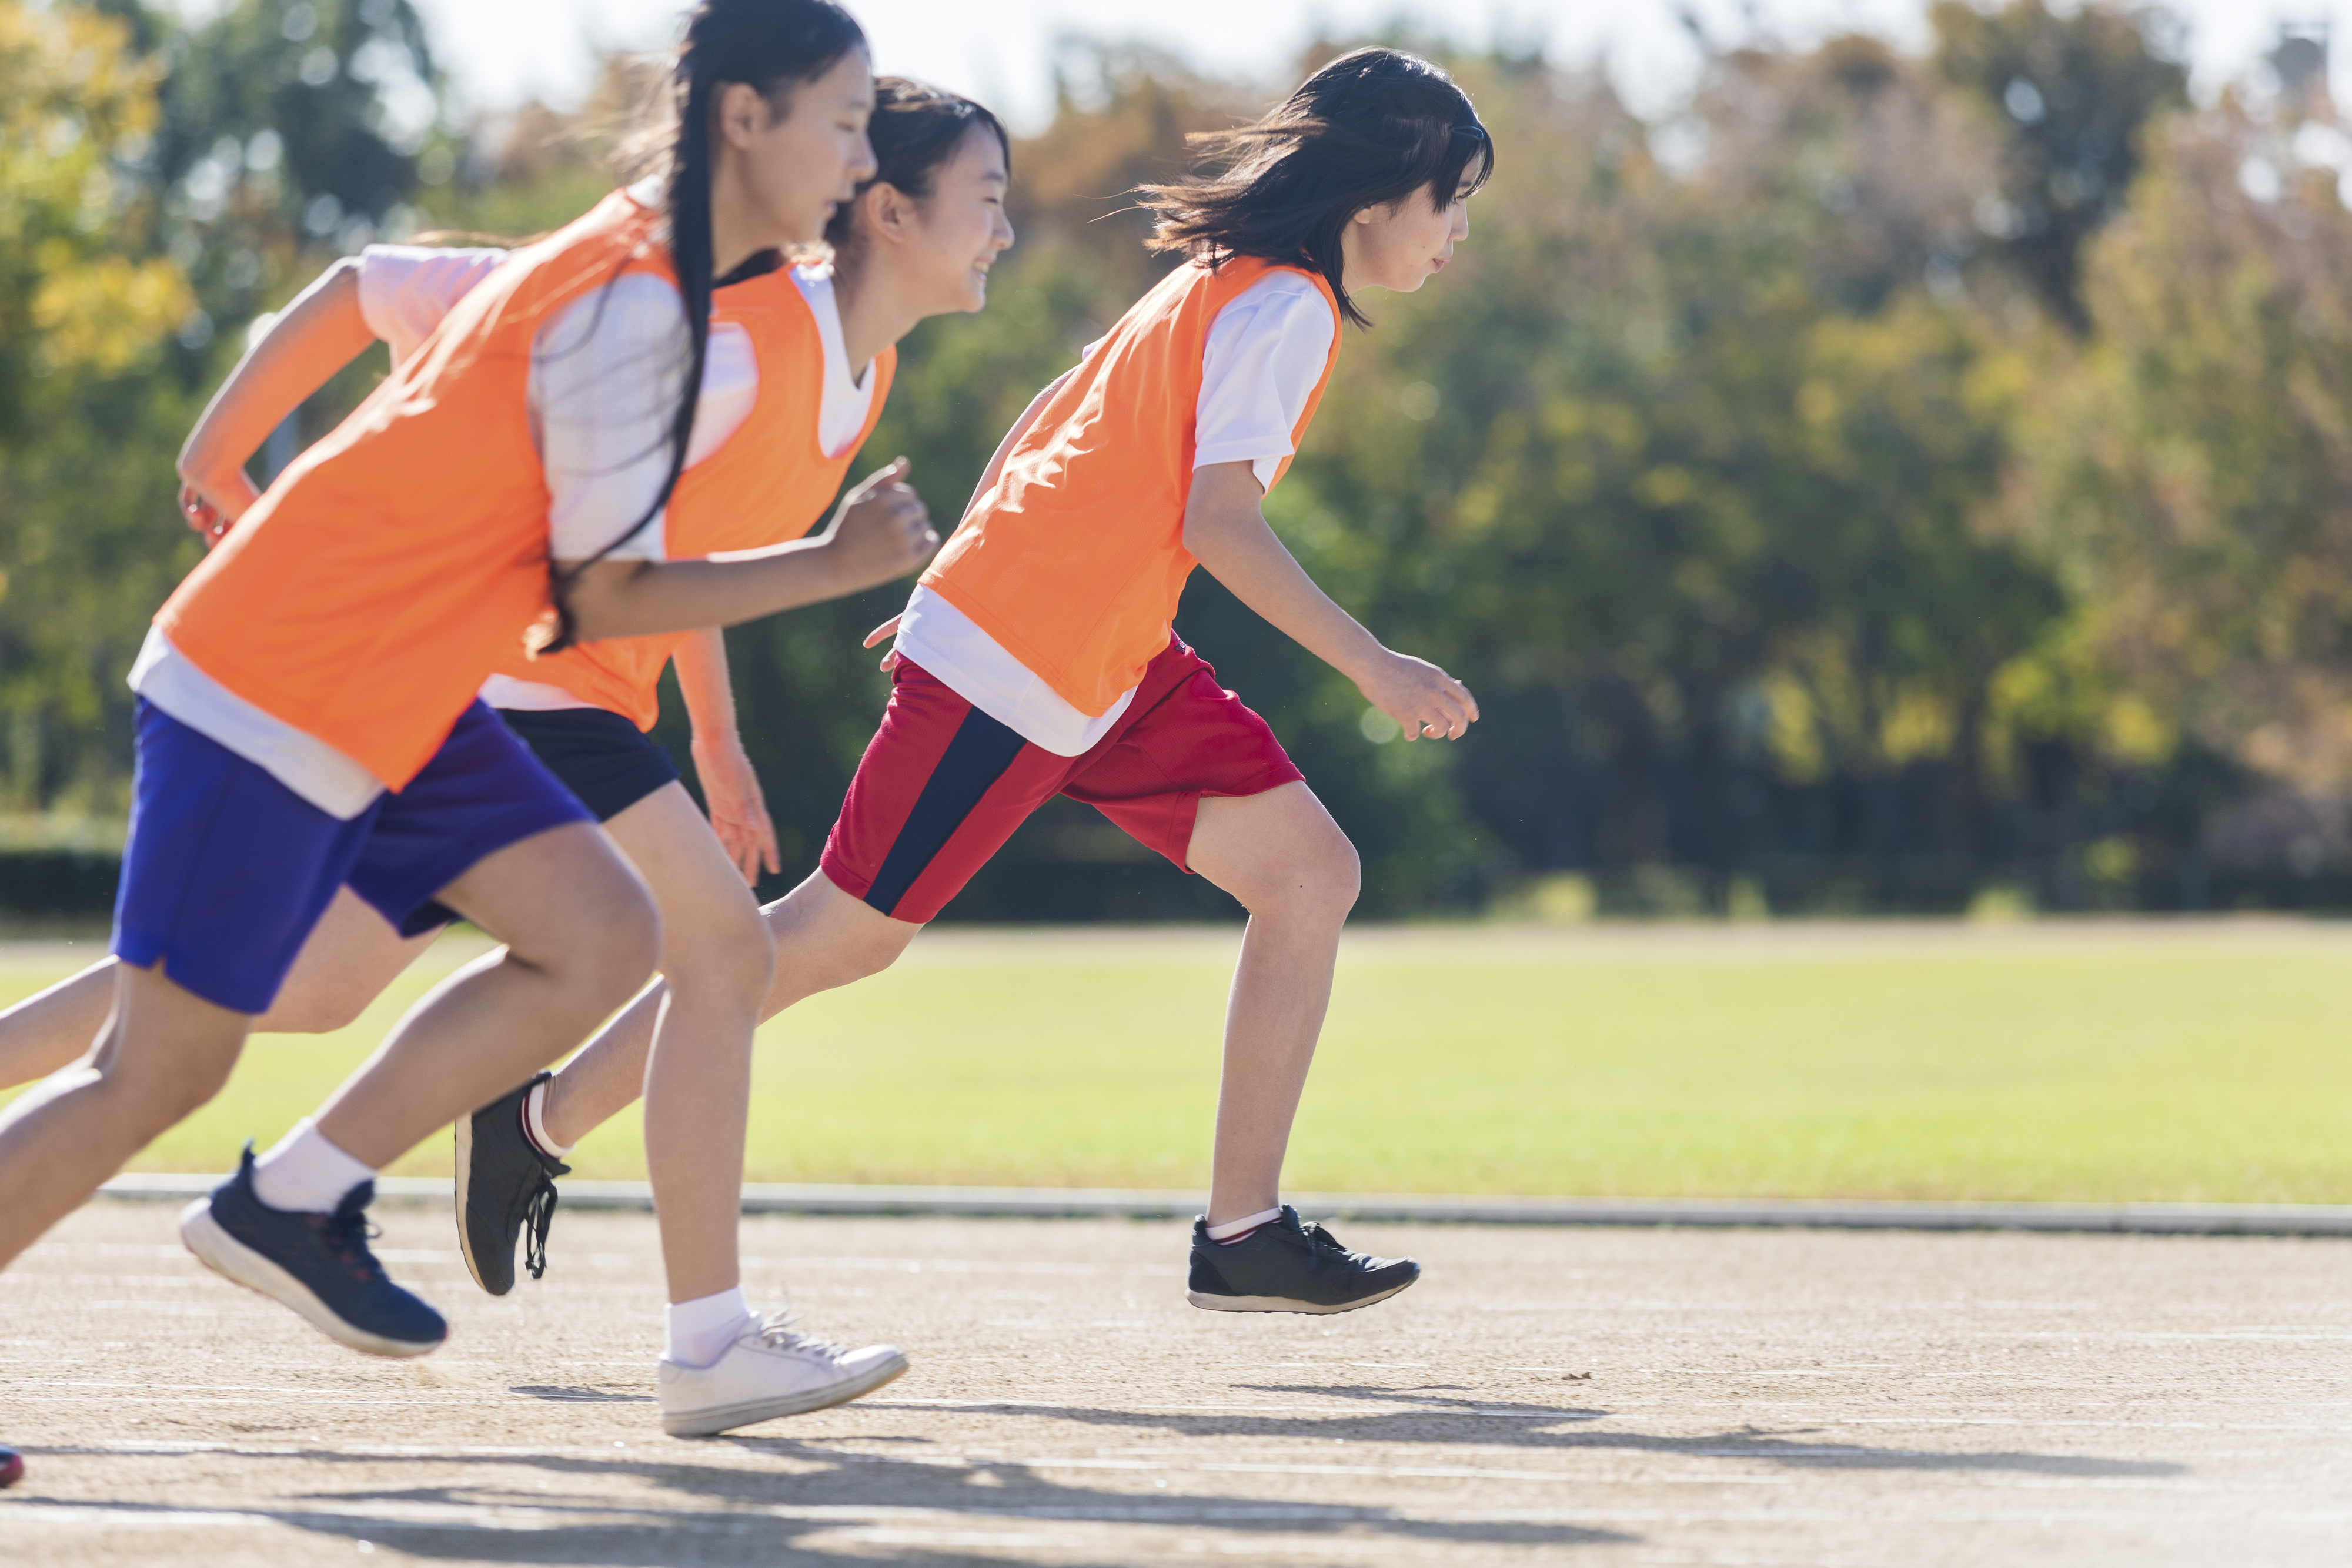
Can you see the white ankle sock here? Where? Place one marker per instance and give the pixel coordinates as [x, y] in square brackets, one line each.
[534, 1123]
[305, 1173]
[699, 1331]
[1234, 1230]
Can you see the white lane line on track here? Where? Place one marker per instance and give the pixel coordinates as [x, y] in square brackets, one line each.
[634, 1261]
[504, 1518]
[37, 1390]
[1168, 1464]
[1359, 1407]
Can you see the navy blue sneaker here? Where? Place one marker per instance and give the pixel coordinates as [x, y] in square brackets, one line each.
[318, 1264]
[12, 1466]
[1284, 1266]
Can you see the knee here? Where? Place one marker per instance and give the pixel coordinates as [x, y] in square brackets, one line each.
[157, 1100]
[629, 945]
[1318, 884]
[731, 956]
[611, 955]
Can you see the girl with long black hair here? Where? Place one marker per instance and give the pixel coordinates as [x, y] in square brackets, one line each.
[1037, 656]
[308, 720]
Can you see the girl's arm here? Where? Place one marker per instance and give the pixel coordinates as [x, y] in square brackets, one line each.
[1226, 532]
[988, 478]
[316, 335]
[880, 532]
[730, 786]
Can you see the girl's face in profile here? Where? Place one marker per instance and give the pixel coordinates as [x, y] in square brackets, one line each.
[1402, 245]
[795, 167]
[942, 245]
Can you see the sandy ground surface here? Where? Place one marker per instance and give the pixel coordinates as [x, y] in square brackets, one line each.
[1569, 1397]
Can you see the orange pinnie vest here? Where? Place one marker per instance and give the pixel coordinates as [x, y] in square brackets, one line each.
[398, 561]
[1075, 560]
[767, 483]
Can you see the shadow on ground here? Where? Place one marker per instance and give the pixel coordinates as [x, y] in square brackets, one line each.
[715, 1515]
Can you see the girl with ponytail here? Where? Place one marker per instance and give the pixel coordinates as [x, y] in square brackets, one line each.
[308, 724]
[1037, 656]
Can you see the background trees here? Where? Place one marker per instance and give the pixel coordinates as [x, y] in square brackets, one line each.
[1896, 480]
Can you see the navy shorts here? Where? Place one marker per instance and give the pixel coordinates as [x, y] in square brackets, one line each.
[227, 870]
[602, 757]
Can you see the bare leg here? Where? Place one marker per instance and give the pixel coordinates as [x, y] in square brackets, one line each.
[1283, 856]
[165, 1052]
[823, 939]
[697, 1081]
[581, 934]
[58, 1027]
[350, 956]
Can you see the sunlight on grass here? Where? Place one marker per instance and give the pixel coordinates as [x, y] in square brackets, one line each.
[2092, 1064]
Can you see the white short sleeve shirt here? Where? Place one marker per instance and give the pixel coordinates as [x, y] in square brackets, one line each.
[405, 289]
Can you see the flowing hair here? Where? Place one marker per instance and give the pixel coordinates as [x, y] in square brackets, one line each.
[772, 45]
[1373, 128]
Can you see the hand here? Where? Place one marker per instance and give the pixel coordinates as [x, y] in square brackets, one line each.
[212, 525]
[1424, 699]
[888, 629]
[882, 530]
[738, 810]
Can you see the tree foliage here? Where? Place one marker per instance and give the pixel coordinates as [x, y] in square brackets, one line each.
[1897, 475]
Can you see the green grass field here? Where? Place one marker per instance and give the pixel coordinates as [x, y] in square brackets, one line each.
[2091, 1062]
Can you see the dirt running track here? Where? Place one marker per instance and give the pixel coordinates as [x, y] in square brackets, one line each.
[1543, 1396]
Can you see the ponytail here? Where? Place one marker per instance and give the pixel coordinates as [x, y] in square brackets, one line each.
[773, 46]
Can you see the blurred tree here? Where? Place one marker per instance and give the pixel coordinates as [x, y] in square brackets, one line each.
[2193, 474]
[165, 180]
[86, 311]
[1788, 546]
[2072, 92]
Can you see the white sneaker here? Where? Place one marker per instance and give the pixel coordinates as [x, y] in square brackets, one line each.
[770, 1372]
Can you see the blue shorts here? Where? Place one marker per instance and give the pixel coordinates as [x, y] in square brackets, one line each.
[227, 870]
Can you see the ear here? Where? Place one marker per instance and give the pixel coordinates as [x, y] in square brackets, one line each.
[739, 114]
[885, 212]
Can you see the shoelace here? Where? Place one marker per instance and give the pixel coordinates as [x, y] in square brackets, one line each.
[1322, 1240]
[537, 1215]
[776, 1331]
[348, 1236]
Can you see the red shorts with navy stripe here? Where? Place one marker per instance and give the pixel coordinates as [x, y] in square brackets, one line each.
[942, 785]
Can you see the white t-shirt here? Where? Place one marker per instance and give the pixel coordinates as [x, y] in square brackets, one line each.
[587, 404]
[604, 381]
[405, 289]
[1263, 355]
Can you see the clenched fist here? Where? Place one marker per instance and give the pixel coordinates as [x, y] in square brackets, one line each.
[882, 530]
[1427, 702]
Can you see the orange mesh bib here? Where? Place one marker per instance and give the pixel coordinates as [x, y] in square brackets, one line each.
[1075, 560]
[767, 483]
[398, 561]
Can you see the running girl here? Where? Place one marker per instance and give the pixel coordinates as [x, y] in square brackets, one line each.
[1037, 658]
[307, 718]
[918, 240]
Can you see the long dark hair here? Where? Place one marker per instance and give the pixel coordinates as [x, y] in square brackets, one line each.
[772, 45]
[1372, 128]
[916, 128]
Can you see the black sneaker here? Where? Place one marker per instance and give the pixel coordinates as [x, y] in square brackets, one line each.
[12, 1466]
[318, 1264]
[1286, 1267]
[506, 1188]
